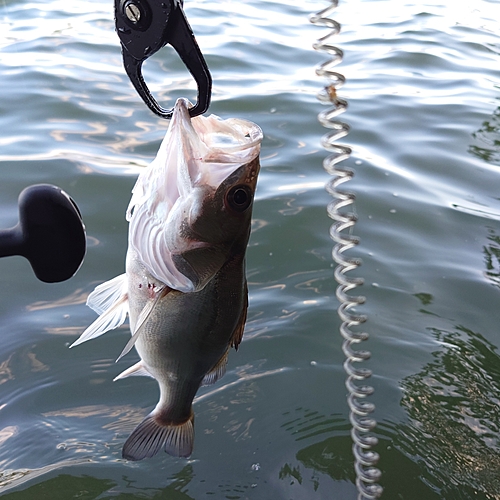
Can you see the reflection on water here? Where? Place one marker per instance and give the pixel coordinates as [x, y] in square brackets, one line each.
[492, 257]
[320, 457]
[453, 404]
[5, 370]
[329, 457]
[488, 140]
[332, 458]
[274, 427]
[75, 298]
[7, 432]
[65, 487]
[17, 477]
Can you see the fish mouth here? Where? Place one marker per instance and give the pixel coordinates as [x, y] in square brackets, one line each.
[216, 147]
[228, 136]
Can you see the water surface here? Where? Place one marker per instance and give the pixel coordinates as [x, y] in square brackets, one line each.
[423, 86]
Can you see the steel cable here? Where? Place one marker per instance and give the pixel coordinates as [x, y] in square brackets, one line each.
[367, 475]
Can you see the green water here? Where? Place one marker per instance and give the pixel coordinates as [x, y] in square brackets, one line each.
[423, 86]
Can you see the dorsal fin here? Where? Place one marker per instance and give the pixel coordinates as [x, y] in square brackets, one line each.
[217, 371]
[240, 327]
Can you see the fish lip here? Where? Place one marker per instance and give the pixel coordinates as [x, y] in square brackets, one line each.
[213, 147]
[231, 141]
[248, 130]
[181, 109]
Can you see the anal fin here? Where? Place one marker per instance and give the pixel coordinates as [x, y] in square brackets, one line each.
[151, 435]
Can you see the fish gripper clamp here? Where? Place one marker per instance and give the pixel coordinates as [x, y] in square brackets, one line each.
[146, 26]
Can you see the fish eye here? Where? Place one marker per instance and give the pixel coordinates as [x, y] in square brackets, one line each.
[239, 198]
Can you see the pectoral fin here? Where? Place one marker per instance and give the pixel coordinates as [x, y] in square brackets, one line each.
[107, 293]
[240, 327]
[137, 370]
[110, 300]
[143, 316]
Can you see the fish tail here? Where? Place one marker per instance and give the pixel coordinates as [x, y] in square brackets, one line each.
[154, 433]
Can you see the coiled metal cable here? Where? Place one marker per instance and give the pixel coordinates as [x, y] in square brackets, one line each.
[367, 475]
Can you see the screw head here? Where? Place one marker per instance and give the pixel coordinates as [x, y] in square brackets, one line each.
[133, 12]
[136, 14]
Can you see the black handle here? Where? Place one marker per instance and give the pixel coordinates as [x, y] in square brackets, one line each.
[50, 233]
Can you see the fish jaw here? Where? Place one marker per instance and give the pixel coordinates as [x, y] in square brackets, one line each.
[195, 159]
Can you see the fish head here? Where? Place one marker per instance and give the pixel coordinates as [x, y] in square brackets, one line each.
[191, 209]
[216, 228]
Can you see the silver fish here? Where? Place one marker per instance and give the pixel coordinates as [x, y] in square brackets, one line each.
[184, 287]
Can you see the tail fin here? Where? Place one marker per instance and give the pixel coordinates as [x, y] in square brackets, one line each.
[151, 435]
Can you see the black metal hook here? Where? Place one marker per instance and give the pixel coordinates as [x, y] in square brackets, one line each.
[144, 27]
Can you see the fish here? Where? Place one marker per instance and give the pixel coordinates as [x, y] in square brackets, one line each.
[184, 288]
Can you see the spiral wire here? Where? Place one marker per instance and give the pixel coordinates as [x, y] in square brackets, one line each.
[367, 475]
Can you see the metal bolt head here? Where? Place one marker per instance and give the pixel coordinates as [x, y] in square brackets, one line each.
[133, 12]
